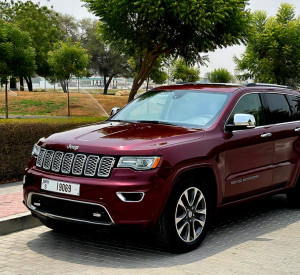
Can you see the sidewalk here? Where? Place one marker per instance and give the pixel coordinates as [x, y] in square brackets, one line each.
[14, 216]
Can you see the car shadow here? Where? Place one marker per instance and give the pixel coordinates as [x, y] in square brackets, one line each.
[131, 249]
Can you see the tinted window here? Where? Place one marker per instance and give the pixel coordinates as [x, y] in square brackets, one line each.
[295, 104]
[249, 104]
[278, 108]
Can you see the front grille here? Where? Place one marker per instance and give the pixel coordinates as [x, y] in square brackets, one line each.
[105, 166]
[91, 166]
[68, 209]
[76, 164]
[67, 163]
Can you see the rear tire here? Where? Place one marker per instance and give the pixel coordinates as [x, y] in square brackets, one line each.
[187, 214]
[293, 196]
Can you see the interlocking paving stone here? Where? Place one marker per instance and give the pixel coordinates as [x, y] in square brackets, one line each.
[11, 199]
[261, 237]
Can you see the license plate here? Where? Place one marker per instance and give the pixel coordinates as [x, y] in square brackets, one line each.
[61, 187]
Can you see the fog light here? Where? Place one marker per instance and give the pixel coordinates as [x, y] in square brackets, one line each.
[131, 196]
[97, 215]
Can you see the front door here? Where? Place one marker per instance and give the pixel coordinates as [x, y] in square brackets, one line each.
[249, 153]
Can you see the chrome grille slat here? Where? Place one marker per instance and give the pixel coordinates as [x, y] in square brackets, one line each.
[105, 166]
[91, 166]
[57, 160]
[77, 164]
[40, 158]
[48, 159]
[67, 163]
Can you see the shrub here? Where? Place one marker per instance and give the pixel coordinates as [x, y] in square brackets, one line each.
[17, 137]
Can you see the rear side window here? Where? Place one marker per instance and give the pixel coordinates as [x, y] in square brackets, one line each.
[249, 104]
[295, 105]
[278, 109]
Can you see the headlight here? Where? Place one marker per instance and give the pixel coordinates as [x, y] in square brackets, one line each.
[139, 163]
[36, 150]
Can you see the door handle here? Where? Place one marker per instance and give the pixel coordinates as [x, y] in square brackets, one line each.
[297, 130]
[267, 135]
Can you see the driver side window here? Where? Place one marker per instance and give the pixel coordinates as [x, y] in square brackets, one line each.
[249, 104]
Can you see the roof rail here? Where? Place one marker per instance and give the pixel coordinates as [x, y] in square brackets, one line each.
[212, 84]
[267, 85]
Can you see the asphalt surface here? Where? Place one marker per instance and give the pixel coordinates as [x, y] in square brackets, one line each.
[261, 237]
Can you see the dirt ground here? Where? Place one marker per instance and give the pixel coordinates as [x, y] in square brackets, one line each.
[55, 104]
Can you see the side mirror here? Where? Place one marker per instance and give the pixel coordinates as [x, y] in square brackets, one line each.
[241, 122]
[114, 110]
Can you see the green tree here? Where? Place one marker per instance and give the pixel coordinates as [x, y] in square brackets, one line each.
[66, 60]
[105, 61]
[183, 28]
[69, 26]
[42, 26]
[158, 74]
[16, 55]
[273, 51]
[180, 71]
[220, 75]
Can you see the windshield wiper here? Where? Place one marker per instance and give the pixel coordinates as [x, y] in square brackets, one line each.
[156, 122]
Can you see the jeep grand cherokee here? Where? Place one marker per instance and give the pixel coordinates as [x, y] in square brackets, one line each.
[169, 159]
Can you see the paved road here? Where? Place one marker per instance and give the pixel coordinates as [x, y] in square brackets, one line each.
[258, 238]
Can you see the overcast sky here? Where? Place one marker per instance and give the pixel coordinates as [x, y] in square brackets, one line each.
[219, 58]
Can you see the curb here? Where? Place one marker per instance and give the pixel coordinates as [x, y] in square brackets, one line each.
[18, 222]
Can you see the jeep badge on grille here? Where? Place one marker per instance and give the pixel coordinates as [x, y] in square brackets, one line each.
[74, 147]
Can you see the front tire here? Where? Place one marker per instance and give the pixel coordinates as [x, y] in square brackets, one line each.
[184, 221]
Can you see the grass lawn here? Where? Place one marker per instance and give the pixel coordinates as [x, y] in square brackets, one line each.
[87, 103]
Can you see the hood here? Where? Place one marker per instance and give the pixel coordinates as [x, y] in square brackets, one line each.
[114, 138]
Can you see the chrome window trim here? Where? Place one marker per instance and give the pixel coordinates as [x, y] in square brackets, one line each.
[262, 126]
[269, 125]
[33, 208]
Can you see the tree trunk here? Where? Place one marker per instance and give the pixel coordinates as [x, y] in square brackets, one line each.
[106, 84]
[13, 84]
[69, 113]
[146, 67]
[63, 86]
[21, 83]
[6, 101]
[148, 79]
[78, 85]
[29, 83]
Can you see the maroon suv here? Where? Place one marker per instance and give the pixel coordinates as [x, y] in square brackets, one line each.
[169, 159]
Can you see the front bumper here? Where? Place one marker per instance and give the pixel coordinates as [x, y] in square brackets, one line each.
[99, 202]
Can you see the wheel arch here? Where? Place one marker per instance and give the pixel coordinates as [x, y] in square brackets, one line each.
[197, 171]
[205, 173]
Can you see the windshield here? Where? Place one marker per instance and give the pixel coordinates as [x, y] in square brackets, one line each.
[189, 108]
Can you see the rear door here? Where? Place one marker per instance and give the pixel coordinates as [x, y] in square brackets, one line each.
[249, 153]
[283, 118]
